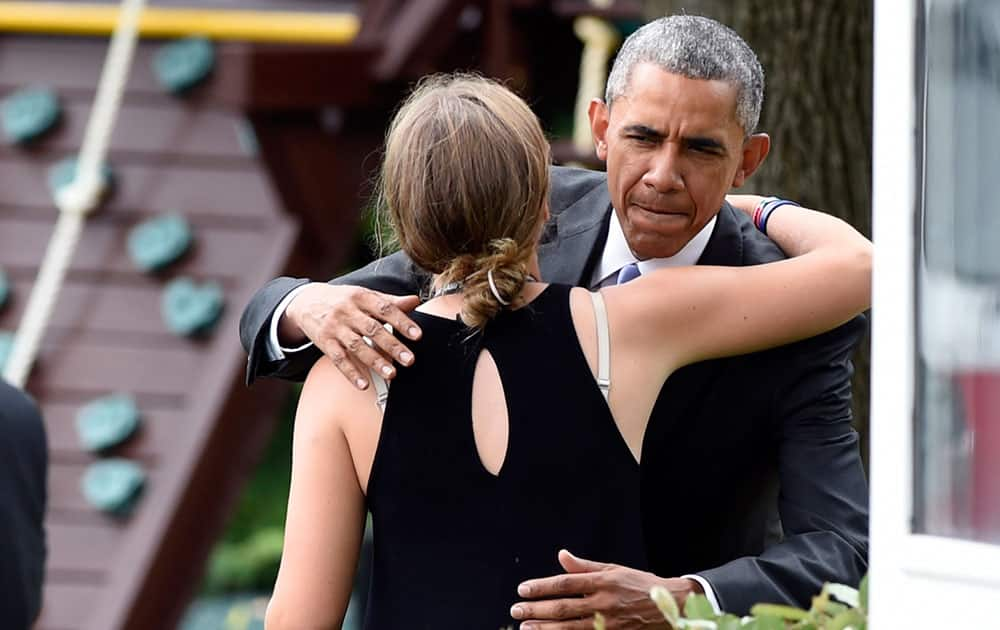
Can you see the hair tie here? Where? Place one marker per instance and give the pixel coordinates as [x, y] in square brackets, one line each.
[493, 288]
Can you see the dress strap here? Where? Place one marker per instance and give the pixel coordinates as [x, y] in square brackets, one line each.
[381, 389]
[603, 343]
[381, 385]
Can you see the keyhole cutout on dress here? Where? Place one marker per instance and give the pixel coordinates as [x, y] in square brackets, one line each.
[490, 422]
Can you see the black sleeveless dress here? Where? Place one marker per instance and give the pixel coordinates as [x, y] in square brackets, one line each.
[451, 540]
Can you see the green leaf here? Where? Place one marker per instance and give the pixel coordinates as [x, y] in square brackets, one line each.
[729, 622]
[666, 603]
[777, 610]
[769, 622]
[599, 621]
[697, 624]
[843, 593]
[848, 618]
[832, 608]
[863, 594]
[698, 607]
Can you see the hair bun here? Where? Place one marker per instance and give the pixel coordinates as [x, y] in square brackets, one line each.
[506, 262]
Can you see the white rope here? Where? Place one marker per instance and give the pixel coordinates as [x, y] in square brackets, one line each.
[79, 198]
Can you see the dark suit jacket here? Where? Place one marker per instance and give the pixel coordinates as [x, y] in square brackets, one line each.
[23, 466]
[731, 443]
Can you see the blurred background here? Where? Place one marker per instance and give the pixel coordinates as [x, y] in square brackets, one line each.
[247, 140]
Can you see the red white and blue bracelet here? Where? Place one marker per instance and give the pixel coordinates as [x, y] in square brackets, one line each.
[765, 207]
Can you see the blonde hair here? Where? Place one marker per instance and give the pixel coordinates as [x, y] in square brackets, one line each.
[465, 182]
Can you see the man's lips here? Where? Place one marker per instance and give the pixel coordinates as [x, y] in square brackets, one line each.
[659, 211]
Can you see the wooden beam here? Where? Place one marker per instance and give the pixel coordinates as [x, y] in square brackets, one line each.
[65, 18]
[416, 26]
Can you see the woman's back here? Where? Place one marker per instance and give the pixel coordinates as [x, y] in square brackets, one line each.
[453, 540]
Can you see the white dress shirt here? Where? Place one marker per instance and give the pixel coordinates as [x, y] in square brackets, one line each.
[276, 351]
[616, 255]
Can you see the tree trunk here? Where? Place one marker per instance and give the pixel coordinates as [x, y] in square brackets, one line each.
[817, 58]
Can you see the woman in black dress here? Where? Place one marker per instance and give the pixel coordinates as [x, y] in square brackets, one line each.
[519, 429]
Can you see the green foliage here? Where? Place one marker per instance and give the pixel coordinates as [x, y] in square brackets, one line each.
[248, 566]
[698, 607]
[247, 556]
[837, 607]
[666, 603]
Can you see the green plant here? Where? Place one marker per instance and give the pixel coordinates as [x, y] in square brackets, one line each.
[837, 607]
[251, 564]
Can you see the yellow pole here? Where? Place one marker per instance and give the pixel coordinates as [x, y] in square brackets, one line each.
[262, 26]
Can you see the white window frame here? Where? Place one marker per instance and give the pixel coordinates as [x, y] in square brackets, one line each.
[916, 580]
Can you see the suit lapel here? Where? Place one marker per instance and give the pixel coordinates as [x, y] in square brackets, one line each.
[572, 244]
[725, 247]
[681, 399]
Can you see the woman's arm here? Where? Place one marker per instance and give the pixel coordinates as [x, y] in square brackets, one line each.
[325, 519]
[700, 312]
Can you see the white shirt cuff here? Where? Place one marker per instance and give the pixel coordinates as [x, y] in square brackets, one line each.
[709, 593]
[275, 351]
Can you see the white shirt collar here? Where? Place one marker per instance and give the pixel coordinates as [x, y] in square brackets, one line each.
[617, 253]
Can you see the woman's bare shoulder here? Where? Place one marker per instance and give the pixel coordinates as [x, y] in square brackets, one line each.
[330, 400]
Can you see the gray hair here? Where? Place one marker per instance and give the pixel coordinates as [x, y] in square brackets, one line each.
[695, 47]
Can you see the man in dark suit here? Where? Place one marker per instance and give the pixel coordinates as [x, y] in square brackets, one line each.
[731, 443]
[23, 466]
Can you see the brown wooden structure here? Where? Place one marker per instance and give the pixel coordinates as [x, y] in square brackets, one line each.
[267, 160]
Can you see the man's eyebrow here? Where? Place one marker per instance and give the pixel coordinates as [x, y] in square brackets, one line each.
[703, 142]
[694, 142]
[643, 130]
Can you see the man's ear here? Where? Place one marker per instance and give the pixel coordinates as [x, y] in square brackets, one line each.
[598, 113]
[755, 149]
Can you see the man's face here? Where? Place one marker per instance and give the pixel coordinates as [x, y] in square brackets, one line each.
[673, 148]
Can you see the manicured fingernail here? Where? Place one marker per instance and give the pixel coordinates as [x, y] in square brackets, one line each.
[386, 370]
[406, 357]
[361, 383]
[524, 590]
[516, 612]
[414, 332]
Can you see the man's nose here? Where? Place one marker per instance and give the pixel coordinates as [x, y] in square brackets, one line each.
[664, 173]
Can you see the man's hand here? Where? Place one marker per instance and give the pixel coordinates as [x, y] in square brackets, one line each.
[619, 593]
[338, 319]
